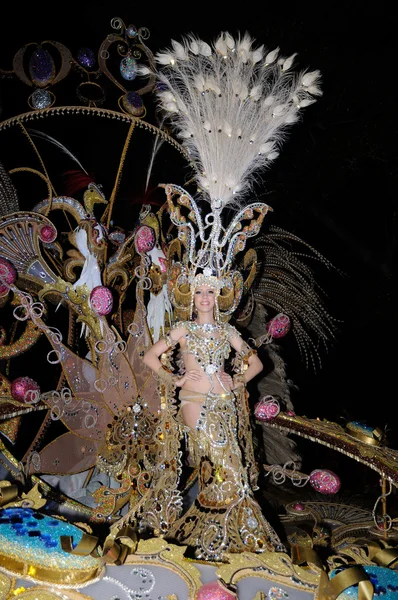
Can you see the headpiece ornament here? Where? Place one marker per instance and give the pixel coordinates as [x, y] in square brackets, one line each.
[231, 105]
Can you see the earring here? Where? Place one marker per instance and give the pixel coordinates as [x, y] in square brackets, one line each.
[216, 312]
[191, 307]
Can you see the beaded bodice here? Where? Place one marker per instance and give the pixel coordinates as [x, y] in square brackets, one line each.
[209, 344]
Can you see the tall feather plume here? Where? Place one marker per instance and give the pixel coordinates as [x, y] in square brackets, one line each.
[287, 283]
[155, 149]
[9, 202]
[59, 145]
[231, 104]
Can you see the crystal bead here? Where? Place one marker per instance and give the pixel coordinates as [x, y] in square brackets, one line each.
[252, 523]
[41, 99]
[86, 58]
[128, 68]
[41, 67]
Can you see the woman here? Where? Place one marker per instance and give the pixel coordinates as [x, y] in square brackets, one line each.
[214, 416]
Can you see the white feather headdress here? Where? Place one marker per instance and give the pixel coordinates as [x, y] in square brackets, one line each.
[231, 104]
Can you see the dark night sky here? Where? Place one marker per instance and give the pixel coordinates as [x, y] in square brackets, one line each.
[335, 183]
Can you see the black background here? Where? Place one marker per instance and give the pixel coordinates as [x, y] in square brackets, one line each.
[334, 184]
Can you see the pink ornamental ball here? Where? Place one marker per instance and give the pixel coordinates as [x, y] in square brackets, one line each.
[47, 234]
[279, 326]
[101, 300]
[214, 591]
[267, 408]
[325, 481]
[25, 389]
[8, 275]
[145, 239]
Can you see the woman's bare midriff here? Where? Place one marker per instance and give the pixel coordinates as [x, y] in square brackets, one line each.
[191, 410]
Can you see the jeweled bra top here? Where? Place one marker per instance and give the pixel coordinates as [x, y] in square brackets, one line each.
[209, 344]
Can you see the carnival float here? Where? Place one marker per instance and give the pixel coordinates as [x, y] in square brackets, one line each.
[88, 282]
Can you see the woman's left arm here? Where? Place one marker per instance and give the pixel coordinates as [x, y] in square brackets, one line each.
[250, 358]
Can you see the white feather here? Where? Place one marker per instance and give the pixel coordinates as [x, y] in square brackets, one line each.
[257, 55]
[52, 140]
[279, 110]
[203, 182]
[255, 92]
[244, 92]
[269, 101]
[143, 70]
[245, 44]
[186, 134]
[289, 62]
[166, 96]
[165, 58]
[171, 107]
[179, 50]
[208, 94]
[315, 90]
[221, 46]
[194, 46]
[230, 182]
[267, 147]
[199, 83]
[292, 118]
[211, 84]
[306, 102]
[271, 56]
[310, 78]
[181, 106]
[227, 129]
[244, 55]
[236, 85]
[204, 48]
[229, 40]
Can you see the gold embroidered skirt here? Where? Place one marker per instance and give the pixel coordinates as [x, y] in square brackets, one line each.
[224, 517]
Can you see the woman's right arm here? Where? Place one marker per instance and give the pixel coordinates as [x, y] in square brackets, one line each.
[151, 356]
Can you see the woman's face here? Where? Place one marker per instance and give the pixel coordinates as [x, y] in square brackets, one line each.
[204, 298]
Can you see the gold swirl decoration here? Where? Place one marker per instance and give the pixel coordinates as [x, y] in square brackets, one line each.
[381, 459]
[26, 340]
[330, 589]
[78, 300]
[273, 566]
[115, 549]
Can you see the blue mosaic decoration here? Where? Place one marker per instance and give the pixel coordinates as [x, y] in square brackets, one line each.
[34, 538]
[385, 583]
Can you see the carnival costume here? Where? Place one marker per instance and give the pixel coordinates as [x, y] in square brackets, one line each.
[230, 104]
[224, 516]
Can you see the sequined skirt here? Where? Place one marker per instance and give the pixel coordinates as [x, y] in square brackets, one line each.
[224, 517]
